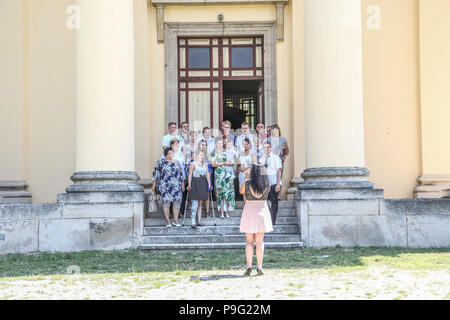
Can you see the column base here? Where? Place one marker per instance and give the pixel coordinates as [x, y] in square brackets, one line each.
[335, 178]
[431, 185]
[103, 186]
[15, 192]
[337, 183]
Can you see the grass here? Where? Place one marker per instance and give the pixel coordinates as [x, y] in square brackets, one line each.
[132, 274]
[332, 259]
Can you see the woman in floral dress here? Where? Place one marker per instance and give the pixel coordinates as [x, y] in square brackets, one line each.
[168, 177]
[223, 179]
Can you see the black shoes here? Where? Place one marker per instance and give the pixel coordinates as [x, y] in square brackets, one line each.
[248, 272]
[259, 271]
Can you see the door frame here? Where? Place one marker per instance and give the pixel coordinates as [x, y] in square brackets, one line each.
[173, 30]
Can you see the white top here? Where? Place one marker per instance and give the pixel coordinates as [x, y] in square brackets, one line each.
[199, 171]
[273, 163]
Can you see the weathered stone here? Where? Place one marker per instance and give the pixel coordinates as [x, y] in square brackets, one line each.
[138, 222]
[335, 178]
[326, 231]
[339, 194]
[415, 206]
[428, 230]
[382, 231]
[111, 234]
[18, 236]
[65, 235]
[31, 211]
[15, 191]
[104, 181]
[342, 207]
[98, 210]
[101, 197]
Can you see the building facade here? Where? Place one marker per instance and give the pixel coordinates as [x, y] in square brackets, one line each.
[356, 84]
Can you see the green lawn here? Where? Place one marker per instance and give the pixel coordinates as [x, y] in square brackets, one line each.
[290, 274]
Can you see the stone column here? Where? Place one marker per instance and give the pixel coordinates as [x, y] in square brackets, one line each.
[105, 144]
[334, 96]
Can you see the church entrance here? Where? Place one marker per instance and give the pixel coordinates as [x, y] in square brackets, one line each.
[220, 79]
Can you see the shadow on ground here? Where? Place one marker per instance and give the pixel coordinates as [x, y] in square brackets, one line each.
[133, 261]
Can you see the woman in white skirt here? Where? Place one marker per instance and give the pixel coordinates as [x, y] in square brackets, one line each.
[256, 219]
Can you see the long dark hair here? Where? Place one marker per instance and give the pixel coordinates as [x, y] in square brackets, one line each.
[258, 179]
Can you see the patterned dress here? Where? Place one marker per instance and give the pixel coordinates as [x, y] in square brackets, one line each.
[223, 181]
[169, 176]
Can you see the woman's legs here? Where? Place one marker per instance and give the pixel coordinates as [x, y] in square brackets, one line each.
[259, 237]
[199, 211]
[249, 249]
[166, 210]
[194, 207]
[176, 211]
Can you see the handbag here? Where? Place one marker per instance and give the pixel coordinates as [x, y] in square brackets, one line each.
[152, 203]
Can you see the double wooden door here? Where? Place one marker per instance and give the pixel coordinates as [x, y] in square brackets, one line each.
[203, 65]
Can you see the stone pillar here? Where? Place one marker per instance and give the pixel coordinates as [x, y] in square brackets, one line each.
[105, 143]
[334, 96]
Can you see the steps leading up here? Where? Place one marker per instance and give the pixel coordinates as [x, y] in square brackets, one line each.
[217, 233]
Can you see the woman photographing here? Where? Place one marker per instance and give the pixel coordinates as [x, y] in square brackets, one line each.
[256, 219]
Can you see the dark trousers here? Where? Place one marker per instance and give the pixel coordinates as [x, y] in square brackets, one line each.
[184, 199]
[273, 198]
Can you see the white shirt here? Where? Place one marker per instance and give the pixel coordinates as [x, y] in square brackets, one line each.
[210, 144]
[273, 164]
[240, 140]
[165, 142]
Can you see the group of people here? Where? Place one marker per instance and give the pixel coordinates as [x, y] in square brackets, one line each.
[200, 167]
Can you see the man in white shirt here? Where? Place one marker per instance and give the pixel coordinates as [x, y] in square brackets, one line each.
[245, 134]
[173, 133]
[210, 141]
[273, 166]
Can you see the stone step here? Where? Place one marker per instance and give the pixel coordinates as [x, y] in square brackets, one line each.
[282, 212]
[213, 230]
[160, 222]
[240, 204]
[220, 246]
[231, 238]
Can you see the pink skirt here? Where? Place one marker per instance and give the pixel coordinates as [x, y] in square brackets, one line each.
[256, 217]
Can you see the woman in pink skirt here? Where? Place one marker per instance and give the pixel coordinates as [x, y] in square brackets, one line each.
[256, 219]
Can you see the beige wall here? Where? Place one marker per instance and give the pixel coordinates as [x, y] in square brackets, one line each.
[435, 85]
[11, 90]
[391, 97]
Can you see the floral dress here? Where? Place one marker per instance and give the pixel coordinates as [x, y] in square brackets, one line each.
[223, 181]
[170, 177]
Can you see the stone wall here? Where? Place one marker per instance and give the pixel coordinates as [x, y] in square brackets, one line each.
[359, 218]
[100, 221]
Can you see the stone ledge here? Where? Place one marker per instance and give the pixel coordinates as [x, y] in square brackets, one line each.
[415, 206]
[42, 211]
[101, 197]
[104, 210]
[339, 194]
[343, 207]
